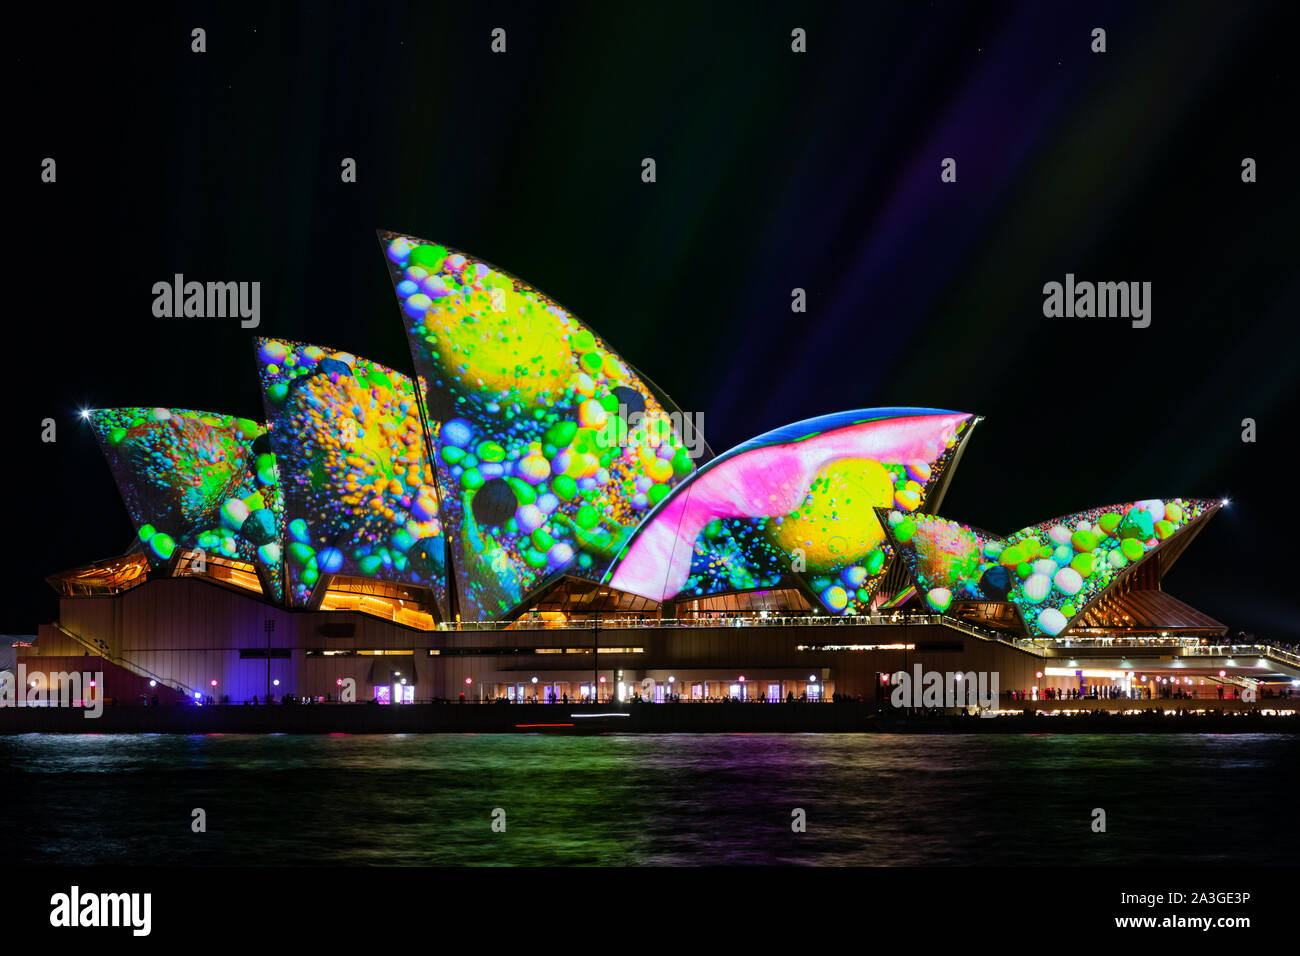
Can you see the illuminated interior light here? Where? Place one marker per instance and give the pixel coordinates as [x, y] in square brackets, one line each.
[612, 714]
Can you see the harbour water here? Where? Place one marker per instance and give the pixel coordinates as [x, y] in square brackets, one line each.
[868, 799]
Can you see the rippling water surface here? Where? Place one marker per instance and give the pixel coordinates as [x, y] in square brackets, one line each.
[671, 799]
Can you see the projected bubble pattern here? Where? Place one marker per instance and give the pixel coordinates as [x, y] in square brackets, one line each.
[359, 487]
[550, 449]
[197, 481]
[1050, 571]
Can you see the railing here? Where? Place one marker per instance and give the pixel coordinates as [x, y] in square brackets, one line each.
[122, 662]
[297, 701]
[739, 620]
[721, 620]
[1036, 646]
[987, 635]
[1238, 650]
[1125, 641]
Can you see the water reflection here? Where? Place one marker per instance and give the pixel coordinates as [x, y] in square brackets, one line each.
[661, 799]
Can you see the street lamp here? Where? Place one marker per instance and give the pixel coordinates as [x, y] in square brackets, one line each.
[268, 625]
[595, 653]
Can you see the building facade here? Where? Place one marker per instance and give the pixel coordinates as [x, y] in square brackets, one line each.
[528, 516]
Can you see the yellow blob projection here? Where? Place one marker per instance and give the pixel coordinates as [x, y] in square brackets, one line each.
[499, 341]
[837, 521]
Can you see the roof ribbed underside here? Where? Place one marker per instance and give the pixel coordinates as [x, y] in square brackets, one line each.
[1147, 610]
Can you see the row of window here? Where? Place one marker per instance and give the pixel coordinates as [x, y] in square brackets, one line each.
[936, 647]
[455, 651]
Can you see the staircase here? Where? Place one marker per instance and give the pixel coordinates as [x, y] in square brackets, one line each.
[125, 664]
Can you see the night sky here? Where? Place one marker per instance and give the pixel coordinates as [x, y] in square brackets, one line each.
[775, 170]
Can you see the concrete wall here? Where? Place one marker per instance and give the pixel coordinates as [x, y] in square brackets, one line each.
[114, 684]
[191, 631]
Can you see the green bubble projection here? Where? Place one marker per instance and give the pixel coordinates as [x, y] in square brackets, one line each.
[197, 481]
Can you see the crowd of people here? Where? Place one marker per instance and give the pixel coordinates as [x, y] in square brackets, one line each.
[1106, 692]
[638, 698]
[1173, 691]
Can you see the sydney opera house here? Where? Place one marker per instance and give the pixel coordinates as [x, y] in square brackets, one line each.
[528, 515]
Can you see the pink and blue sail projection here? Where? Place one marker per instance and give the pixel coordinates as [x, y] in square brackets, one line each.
[795, 506]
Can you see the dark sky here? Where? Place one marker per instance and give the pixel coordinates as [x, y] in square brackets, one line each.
[775, 170]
